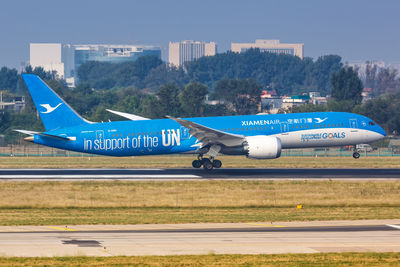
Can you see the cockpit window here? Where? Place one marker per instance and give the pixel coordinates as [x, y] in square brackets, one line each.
[371, 123]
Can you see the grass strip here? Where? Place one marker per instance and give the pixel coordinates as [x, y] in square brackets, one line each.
[318, 259]
[122, 202]
[77, 216]
[197, 194]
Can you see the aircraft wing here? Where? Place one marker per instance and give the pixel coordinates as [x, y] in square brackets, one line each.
[210, 136]
[132, 117]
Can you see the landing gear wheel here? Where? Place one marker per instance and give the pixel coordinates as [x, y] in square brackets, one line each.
[217, 164]
[356, 155]
[207, 165]
[196, 164]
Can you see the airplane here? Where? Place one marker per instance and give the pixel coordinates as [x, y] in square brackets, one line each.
[254, 136]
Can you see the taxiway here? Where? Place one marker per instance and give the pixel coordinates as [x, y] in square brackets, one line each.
[240, 238]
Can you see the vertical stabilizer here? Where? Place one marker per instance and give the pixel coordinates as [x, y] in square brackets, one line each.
[52, 109]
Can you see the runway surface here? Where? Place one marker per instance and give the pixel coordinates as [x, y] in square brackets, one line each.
[241, 238]
[190, 174]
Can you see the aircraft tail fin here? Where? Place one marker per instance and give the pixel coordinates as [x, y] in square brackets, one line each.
[54, 112]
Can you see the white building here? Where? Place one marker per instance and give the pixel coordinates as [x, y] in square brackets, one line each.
[272, 46]
[48, 56]
[65, 59]
[189, 50]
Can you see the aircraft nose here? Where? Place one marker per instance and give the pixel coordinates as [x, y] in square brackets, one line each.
[381, 131]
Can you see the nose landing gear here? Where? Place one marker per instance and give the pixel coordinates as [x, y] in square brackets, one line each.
[356, 153]
[207, 163]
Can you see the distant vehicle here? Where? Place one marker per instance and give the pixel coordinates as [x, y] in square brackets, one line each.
[364, 148]
[255, 136]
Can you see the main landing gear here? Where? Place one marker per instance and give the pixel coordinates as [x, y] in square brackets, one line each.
[207, 163]
[356, 153]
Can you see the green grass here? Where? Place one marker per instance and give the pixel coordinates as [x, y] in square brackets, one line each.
[117, 202]
[152, 215]
[319, 259]
[186, 162]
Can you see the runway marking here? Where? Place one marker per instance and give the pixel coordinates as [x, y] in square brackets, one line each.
[269, 225]
[393, 226]
[96, 176]
[61, 228]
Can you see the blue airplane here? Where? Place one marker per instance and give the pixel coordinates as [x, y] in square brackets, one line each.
[255, 136]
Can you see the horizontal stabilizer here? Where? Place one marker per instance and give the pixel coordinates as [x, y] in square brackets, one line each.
[44, 134]
[132, 117]
[26, 132]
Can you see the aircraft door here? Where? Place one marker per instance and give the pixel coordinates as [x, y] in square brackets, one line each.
[184, 133]
[353, 123]
[100, 134]
[284, 128]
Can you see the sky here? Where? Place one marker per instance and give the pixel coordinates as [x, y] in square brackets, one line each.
[356, 30]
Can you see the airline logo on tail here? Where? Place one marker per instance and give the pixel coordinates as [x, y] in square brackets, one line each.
[49, 109]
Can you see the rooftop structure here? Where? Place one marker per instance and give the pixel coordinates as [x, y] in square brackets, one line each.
[272, 46]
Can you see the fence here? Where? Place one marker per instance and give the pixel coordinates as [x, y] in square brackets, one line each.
[42, 151]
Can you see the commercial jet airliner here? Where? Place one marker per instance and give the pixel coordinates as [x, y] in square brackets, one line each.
[255, 136]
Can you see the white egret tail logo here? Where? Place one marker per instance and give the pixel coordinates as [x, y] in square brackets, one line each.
[49, 109]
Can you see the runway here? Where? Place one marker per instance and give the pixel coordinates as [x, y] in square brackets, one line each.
[190, 174]
[240, 238]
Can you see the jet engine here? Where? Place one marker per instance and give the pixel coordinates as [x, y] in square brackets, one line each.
[262, 147]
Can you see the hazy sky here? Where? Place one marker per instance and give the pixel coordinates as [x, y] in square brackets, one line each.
[354, 29]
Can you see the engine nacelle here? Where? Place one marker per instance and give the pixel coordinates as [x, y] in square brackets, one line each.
[263, 147]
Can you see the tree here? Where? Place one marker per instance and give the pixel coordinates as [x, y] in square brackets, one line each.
[346, 85]
[168, 97]
[191, 98]
[106, 75]
[8, 79]
[164, 74]
[370, 76]
[39, 71]
[243, 95]
[387, 82]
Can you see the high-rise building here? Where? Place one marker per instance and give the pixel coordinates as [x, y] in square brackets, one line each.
[48, 56]
[189, 50]
[66, 58]
[272, 46]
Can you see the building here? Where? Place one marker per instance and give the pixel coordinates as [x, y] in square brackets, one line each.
[272, 103]
[48, 56]
[366, 94]
[272, 46]
[66, 58]
[189, 50]
[15, 103]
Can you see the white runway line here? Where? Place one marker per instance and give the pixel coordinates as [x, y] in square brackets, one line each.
[393, 226]
[102, 176]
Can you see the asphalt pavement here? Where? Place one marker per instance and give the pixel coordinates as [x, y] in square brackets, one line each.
[190, 174]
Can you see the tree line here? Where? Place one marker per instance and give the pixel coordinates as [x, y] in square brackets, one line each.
[284, 73]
